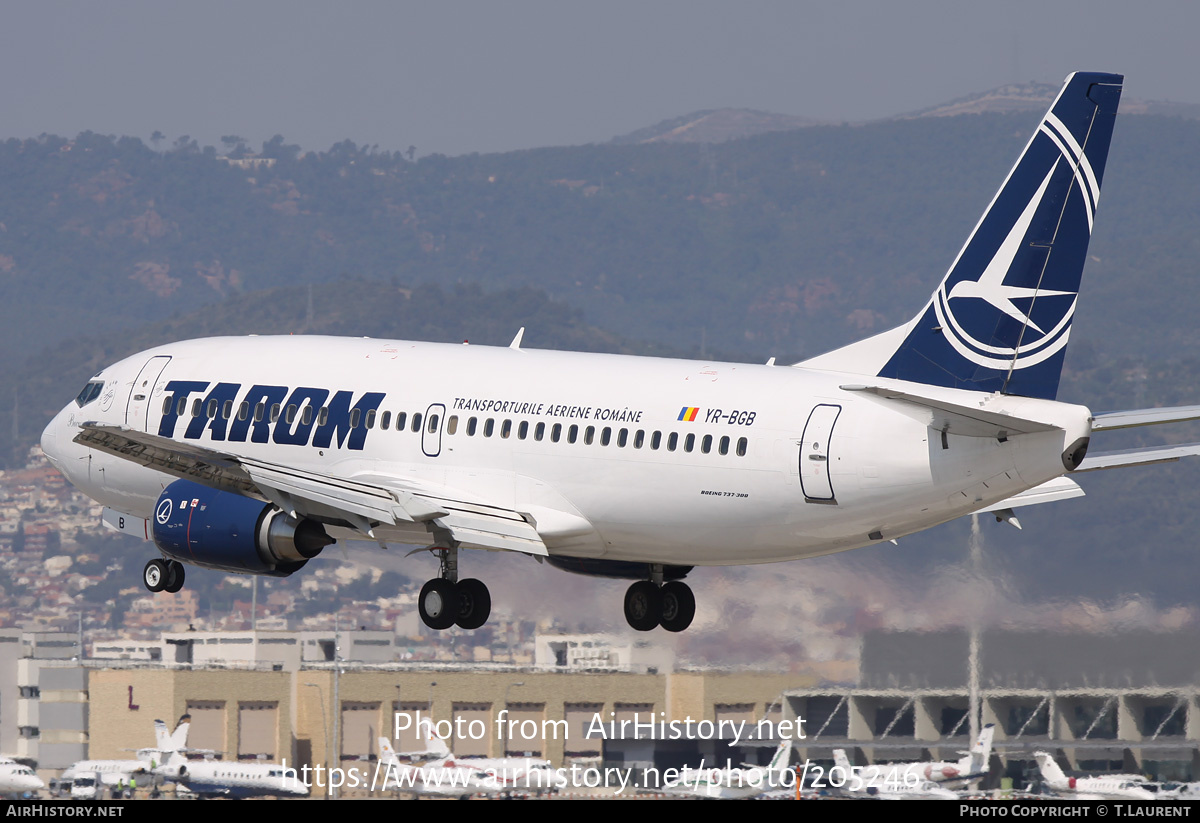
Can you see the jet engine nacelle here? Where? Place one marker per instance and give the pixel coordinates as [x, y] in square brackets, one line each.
[220, 530]
[172, 772]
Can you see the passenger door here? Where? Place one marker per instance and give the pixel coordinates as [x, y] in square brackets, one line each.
[814, 454]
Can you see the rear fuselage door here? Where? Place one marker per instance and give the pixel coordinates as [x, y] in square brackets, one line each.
[431, 431]
[814, 454]
[141, 396]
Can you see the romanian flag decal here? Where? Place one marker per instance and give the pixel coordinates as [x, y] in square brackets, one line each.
[689, 413]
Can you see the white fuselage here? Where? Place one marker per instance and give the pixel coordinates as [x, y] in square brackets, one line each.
[17, 779]
[744, 481]
[219, 779]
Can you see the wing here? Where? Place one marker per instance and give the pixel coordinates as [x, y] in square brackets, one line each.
[364, 502]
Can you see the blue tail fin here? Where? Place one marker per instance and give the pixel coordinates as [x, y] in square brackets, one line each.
[1000, 319]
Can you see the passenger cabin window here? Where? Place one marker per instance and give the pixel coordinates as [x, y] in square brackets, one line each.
[489, 426]
[572, 434]
[322, 416]
[371, 419]
[741, 446]
[724, 445]
[556, 432]
[589, 435]
[452, 424]
[539, 431]
[506, 428]
[689, 442]
[523, 430]
[89, 392]
[227, 409]
[622, 437]
[385, 421]
[639, 439]
[655, 441]
[672, 441]
[243, 410]
[401, 418]
[433, 423]
[306, 415]
[416, 424]
[355, 418]
[706, 444]
[472, 424]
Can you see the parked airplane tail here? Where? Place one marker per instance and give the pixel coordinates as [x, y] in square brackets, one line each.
[1051, 773]
[1000, 319]
[976, 760]
[781, 759]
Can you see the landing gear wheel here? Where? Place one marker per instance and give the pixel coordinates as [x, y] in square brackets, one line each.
[175, 576]
[438, 603]
[643, 605]
[154, 576]
[678, 606]
[474, 603]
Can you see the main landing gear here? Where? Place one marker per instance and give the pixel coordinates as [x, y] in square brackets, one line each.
[446, 601]
[650, 603]
[163, 575]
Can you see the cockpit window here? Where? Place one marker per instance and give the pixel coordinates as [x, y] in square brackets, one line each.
[90, 392]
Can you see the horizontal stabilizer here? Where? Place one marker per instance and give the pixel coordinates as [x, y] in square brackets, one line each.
[1144, 417]
[955, 419]
[1060, 488]
[1136, 457]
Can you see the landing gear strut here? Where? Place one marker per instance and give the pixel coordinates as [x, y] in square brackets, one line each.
[163, 575]
[671, 605]
[446, 600]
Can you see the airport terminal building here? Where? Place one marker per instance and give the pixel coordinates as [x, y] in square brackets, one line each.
[318, 699]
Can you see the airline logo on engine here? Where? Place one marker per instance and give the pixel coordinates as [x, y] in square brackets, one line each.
[303, 416]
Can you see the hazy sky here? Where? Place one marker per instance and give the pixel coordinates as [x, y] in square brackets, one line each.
[457, 77]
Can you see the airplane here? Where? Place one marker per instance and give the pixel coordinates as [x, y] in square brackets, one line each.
[885, 783]
[1101, 787]
[734, 783]
[18, 780]
[440, 778]
[252, 454]
[971, 766]
[117, 773]
[457, 776]
[217, 778]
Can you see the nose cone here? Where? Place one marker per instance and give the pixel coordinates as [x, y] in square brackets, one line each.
[50, 440]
